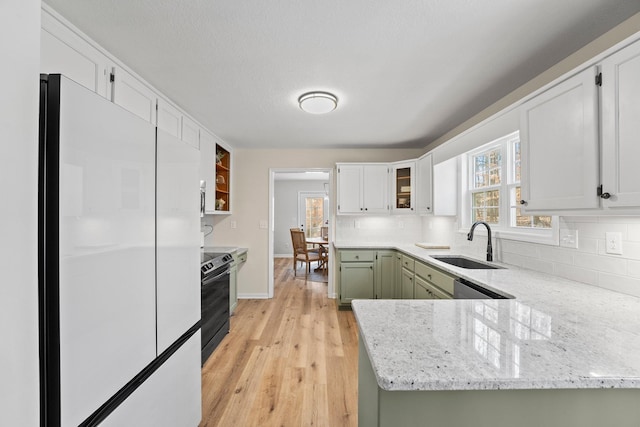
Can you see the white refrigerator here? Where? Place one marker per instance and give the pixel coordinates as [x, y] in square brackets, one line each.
[119, 285]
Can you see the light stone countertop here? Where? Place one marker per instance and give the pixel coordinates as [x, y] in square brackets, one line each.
[224, 249]
[556, 333]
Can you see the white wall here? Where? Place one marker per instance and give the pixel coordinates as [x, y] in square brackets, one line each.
[286, 211]
[20, 52]
[251, 201]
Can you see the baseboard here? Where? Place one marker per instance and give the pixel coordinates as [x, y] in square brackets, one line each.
[253, 296]
[283, 256]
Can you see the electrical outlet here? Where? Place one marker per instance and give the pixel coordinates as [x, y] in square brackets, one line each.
[569, 238]
[263, 224]
[400, 224]
[613, 243]
[234, 224]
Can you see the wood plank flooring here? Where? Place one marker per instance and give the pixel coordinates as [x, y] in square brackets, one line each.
[288, 361]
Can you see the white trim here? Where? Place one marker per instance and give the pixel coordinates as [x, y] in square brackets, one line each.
[254, 296]
[331, 293]
[549, 236]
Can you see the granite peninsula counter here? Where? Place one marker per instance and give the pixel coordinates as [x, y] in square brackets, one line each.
[559, 353]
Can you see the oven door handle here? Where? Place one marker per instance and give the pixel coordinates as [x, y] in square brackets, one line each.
[208, 280]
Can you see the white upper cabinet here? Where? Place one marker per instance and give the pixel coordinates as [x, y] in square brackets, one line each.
[64, 52]
[349, 188]
[445, 188]
[169, 118]
[207, 169]
[621, 128]
[560, 151]
[424, 187]
[190, 132]
[134, 96]
[363, 188]
[375, 189]
[403, 187]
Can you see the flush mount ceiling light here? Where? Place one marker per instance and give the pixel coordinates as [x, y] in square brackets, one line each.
[318, 102]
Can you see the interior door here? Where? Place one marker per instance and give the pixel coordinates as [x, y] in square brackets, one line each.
[313, 212]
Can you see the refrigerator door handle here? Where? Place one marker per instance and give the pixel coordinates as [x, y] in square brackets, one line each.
[203, 191]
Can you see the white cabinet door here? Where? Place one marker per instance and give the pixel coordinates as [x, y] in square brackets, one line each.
[169, 118]
[177, 238]
[560, 152]
[424, 185]
[190, 132]
[132, 95]
[207, 169]
[170, 397]
[375, 190]
[63, 52]
[403, 187]
[445, 188]
[621, 128]
[350, 189]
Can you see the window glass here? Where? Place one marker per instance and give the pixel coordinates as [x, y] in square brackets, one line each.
[494, 187]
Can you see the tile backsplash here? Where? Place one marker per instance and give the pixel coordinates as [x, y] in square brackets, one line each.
[373, 229]
[589, 263]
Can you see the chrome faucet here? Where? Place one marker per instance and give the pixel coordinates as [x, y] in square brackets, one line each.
[489, 247]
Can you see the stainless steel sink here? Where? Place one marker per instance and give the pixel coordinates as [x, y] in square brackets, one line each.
[463, 262]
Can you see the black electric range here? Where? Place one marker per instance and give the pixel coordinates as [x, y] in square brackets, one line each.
[215, 270]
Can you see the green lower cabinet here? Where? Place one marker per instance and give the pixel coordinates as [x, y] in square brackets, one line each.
[422, 290]
[407, 284]
[385, 274]
[356, 281]
[491, 408]
[398, 291]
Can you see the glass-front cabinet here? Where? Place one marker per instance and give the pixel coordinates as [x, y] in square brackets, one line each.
[403, 187]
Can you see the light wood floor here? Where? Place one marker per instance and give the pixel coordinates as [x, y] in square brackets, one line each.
[288, 361]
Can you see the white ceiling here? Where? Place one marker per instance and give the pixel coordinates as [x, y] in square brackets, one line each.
[405, 72]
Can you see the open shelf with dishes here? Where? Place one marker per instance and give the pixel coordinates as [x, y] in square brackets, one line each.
[223, 178]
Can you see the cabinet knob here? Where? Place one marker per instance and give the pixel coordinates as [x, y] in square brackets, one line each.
[523, 202]
[366, 209]
[605, 195]
[429, 276]
[361, 209]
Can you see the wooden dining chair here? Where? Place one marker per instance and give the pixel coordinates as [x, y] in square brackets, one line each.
[301, 253]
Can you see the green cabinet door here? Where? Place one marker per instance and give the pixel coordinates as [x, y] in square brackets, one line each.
[407, 284]
[385, 276]
[398, 290]
[356, 281]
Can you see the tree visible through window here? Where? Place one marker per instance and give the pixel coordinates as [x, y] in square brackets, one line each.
[314, 216]
[495, 186]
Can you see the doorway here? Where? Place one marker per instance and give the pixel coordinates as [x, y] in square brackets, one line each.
[294, 214]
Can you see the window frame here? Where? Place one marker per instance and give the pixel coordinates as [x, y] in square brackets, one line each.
[504, 229]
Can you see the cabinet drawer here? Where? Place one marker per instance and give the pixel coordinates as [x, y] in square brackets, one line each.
[408, 263]
[426, 290]
[436, 277]
[356, 256]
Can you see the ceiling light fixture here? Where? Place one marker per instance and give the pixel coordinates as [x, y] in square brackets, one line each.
[318, 102]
